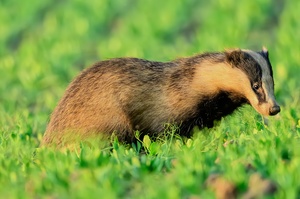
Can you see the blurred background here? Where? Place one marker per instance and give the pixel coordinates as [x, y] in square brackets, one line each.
[45, 44]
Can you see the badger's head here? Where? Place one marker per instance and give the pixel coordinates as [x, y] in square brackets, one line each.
[257, 84]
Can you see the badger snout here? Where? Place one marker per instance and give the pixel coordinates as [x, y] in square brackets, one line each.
[274, 110]
[269, 108]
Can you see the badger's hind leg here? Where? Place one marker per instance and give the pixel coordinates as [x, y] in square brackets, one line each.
[118, 124]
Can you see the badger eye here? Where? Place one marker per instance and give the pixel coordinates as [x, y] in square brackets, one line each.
[255, 86]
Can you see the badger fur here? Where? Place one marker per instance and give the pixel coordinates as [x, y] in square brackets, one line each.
[124, 95]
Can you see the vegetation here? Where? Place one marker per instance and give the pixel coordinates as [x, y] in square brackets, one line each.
[44, 44]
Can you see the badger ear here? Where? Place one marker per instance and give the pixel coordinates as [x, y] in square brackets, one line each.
[234, 56]
[265, 52]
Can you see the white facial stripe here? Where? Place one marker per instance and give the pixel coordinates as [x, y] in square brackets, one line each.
[261, 61]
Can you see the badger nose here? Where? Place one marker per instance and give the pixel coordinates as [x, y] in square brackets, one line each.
[274, 110]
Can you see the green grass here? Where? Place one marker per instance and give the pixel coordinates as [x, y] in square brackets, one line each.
[44, 44]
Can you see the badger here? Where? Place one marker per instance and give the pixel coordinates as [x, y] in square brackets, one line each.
[123, 95]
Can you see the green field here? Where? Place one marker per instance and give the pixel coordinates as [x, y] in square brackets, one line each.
[45, 44]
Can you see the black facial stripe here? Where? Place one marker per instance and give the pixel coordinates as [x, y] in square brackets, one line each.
[261, 96]
[251, 68]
